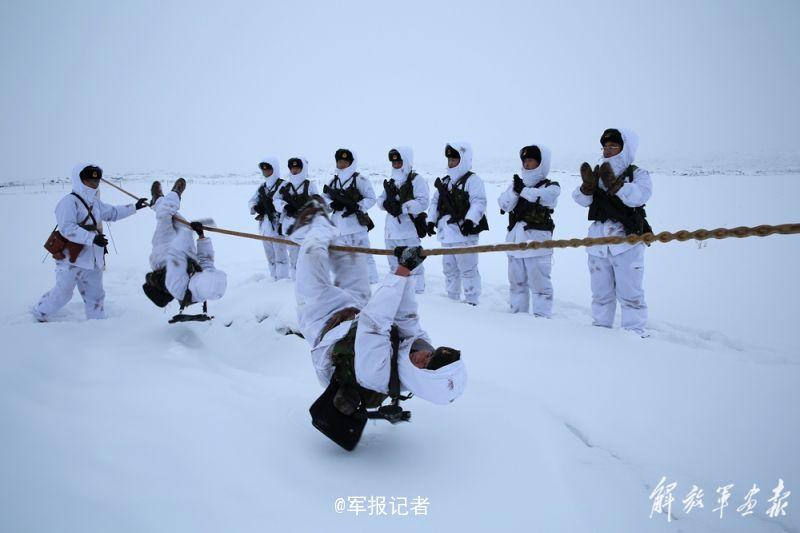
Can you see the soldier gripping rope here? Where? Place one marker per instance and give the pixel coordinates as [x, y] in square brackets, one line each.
[79, 246]
[364, 352]
[181, 270]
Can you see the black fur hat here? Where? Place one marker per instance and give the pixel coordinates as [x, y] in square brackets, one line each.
[344, 153]
[394, 155]
[91, 173]
[295, 162]
[612, 135]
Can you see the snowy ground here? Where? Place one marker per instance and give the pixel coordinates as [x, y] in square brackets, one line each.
[131, 424]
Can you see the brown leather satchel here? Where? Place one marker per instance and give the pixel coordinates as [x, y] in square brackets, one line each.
[57, 243]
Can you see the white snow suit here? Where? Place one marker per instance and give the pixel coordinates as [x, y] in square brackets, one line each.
[529, 270]
[277, 254]
[173, 245]
[351, 233]
[393, 303]
[86, 272]
[400, 230]
[460, 269]
[617, 270]
[294, 184]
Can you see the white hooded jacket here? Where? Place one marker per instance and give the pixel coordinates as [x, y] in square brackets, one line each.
[173, 245]
[546, 195]
[394, 303]
[350, 225]
[633, 194]
[265, 226]
[450, 233]
[402, 227]
[294, 184]
[70, 212]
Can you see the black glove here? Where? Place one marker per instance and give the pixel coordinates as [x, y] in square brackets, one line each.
[140, 203]
[336, 205]
[518, 184]
[409, 256]
[392, 207]
[468, 227]
[100, 240]
[588, 179]
[260, 209]
[606, 174]
[198, 228]
[431, 229]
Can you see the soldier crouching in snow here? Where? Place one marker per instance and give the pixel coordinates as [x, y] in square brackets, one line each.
[363, 354]
[181, 270]
[79, 246]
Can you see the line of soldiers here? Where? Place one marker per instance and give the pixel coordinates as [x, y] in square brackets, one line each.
[615, 192]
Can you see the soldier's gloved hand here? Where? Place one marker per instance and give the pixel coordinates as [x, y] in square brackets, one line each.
[518, 184]
[409, 256]
[431, 229]
[468, 227]
[198, 228]
[336, 205]
[259, 209]
[140, 203]
[612, 183]
[589, 179]
[100, 240]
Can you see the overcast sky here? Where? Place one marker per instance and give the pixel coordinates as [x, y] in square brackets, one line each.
[209, 87]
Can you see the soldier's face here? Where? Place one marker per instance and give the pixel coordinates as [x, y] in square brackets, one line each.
[420, 358]
[295, 170]
[611, 149]
[342, 164]
[530, 163]
[452, 162]
[397, 164]
[267, 172]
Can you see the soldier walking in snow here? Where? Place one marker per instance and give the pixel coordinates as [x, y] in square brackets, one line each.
[79, 246]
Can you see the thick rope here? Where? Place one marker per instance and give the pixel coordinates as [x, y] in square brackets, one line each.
[647, 238]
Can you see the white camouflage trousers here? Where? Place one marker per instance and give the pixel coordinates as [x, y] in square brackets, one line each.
[529, 278]
[619, 277]
[361, 239]
[90, 287]
[317, 296]
[462, 270]
[277, 259]
[418, 275]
